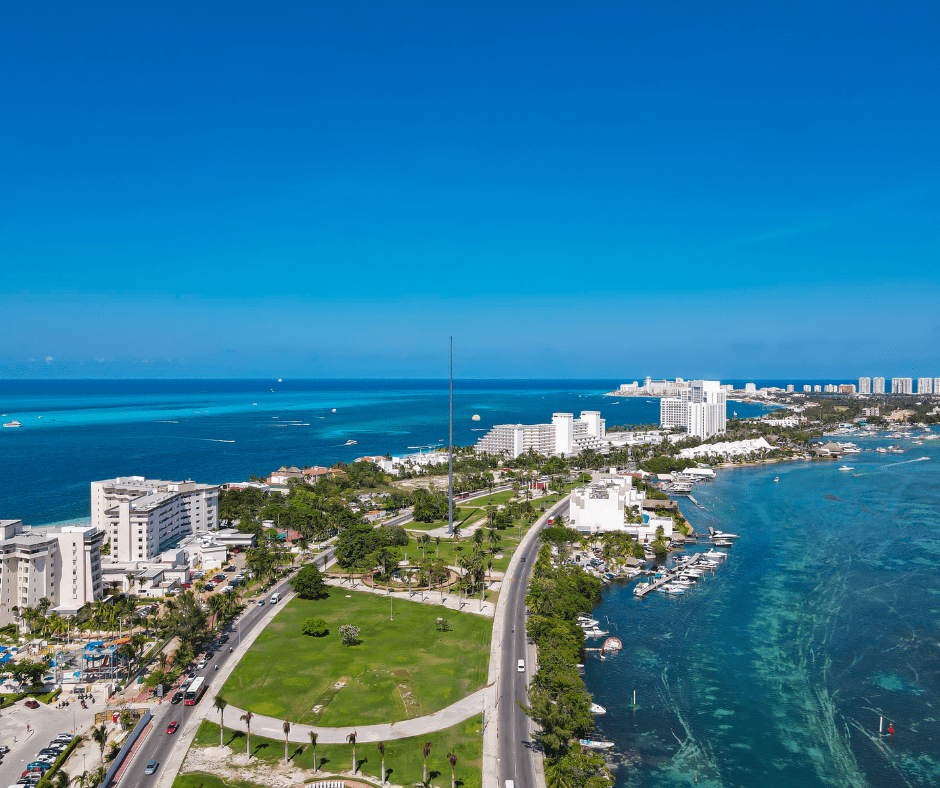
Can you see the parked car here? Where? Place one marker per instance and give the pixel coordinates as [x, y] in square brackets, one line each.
[223, 639]
[172, 727]
[229, 569]
[4, 749]
[31, 704]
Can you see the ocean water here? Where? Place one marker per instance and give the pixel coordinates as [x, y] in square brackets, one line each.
[216, 431]
[776, 670]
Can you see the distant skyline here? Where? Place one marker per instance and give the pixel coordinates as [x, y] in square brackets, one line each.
[304, 190]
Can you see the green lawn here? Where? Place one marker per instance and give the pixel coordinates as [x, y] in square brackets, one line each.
[402, 756]
[202, 780]
[403, 668]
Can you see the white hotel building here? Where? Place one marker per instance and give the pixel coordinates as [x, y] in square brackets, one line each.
[701, 409]
[566, 435]
[142, 517]
[62, 565]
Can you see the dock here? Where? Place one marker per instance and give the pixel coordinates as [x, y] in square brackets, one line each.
[669, 575]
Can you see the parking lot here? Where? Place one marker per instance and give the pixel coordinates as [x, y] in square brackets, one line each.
[45, 723]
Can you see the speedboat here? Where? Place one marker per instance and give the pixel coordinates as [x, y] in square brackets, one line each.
[596, 708]
[595, 745]
[846, 468]
[723, 543]
[723, 535]
[350, 443]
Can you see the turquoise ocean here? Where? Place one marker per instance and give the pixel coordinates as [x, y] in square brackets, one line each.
[76, 431]
[776, 670]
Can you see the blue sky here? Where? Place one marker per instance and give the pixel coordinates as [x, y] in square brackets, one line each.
[570, 189]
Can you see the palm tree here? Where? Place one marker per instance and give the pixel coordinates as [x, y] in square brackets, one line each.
[220, 703]
[313, 745]
[424, 540]
[452, 759]
[456, 532]
[381, 748]
[425, 752]
[82, 780]
[162, 661]
[351, 739]
[493, 537]
[437, 546]
[61, 780]
[99, 736]
[98, 775]
[478, 537]
[286, 727]
[246, 718]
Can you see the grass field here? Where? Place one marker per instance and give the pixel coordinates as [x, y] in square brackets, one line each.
[403, 758]
[402, 669]
[202, 780]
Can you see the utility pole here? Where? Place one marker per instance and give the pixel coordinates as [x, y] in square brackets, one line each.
[450, 497]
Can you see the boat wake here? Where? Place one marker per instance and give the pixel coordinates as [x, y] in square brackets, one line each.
[187, 438]
[892, 465]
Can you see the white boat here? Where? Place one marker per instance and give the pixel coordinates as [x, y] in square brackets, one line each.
[595, 745]
[595, 633]
[13, 423]
[350, 443]
[597, 709]
[846, 468]
[723, 535]
[723, 543]
[776, 478]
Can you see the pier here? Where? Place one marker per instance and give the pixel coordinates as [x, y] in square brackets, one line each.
[669, 575]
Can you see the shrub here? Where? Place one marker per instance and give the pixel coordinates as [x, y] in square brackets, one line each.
[349, 635]
[315, 627]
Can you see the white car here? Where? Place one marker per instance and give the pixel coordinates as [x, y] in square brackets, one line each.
[521, 667]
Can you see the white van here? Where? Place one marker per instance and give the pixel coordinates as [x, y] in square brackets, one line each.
[521, 666]
[275, 598]
[510, 784]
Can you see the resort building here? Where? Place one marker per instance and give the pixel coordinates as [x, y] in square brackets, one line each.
[925, 386]
[807, 388]
[864, 385]
[877, 385]
[62, 565]
[566, 435]
[602, 505]
[902, 386]
[143, 517]
[847, 388]
[727, 449]
[701, 409]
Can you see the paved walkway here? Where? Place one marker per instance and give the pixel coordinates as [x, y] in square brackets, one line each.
[271, 727]
[449, 601]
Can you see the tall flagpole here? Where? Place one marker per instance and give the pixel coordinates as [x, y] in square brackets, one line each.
[450, 502]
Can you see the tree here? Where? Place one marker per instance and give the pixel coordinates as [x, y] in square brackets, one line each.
[315, 627]
[349, 635]
[286, 728]
[452, 760]
[98, 775]
[61, 780]
[437, 546]
[425, 752]
[99, 736]
[313, 745]
[424, 540]
[220, 703]
[246, 718]
[351, 739]
[381, 748]
[309, 583]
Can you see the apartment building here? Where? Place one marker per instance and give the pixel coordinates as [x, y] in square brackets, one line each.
[62, 565]
[143, 517]
[877, 385]
[925, 386]
[864, 385]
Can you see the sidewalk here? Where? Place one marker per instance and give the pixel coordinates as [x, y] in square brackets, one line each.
[463, 709]
[471, 605]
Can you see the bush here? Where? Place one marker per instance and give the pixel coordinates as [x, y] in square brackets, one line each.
[349, 635]
[315, 627]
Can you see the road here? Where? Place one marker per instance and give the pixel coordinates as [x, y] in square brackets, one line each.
[516, 750]
[158, 744]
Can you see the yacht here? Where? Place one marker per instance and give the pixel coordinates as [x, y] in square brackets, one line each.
[593, 744]
[846, 468]
[350, 443]
[723, 543]
[13, 423]
[596, 708]
[723, 535]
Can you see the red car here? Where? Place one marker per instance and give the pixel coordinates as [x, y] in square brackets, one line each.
[171, 728]
[32, 704]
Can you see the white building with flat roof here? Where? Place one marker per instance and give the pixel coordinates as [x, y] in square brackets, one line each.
[61, 564]
[864, 385]
[141, 517]
[877, 385]
[602, 505]
[565, 435]
[925, 386]
[700, 409]
[902, 386]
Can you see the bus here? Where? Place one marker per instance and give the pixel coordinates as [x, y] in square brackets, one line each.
[195, 691]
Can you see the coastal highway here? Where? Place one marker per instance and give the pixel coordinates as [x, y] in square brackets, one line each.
[158, 744]
[516, 750]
